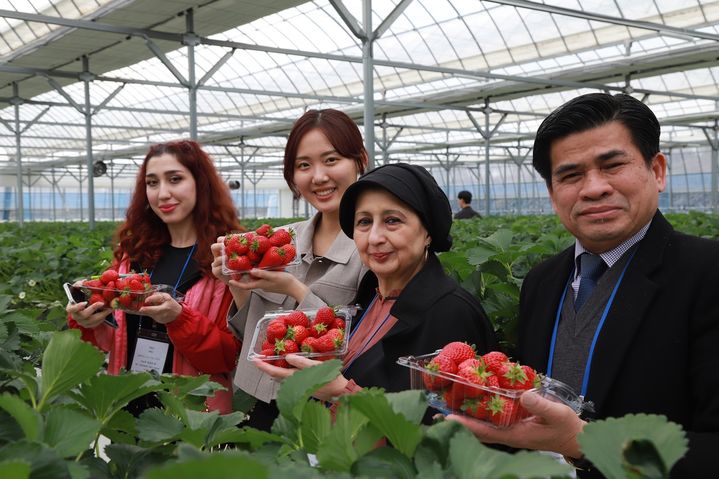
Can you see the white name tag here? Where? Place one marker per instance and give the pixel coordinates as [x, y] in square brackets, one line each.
[149, 355]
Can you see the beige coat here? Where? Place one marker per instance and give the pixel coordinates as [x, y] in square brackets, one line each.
[333, 279]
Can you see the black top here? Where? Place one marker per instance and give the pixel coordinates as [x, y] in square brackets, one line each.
[167, 271]
[466, 213]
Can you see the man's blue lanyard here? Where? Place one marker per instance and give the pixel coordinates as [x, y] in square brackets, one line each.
[588, 366]
[182, 273]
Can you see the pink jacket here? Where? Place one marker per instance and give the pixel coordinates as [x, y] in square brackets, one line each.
[202, 342]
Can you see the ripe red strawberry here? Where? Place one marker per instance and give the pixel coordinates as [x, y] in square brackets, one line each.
[96, 298]
[476, 407]
[236, 243]
[287, 252]
[454, 397]
[458, 351]
[254, 257]
[276, 330]
[281, 237]
[533, 379]
[297, 333]
[267, 345]
[331, 341]
[339, 323]
[297, 318]
[325, 315]
[109, 293]
[439, 365]
[471, 363]
[108, 276]
[286, 346]
[260, 244]
[136, 285]
[317, 329]
[502, 410]
[272, 258]
[239, 263]
[265, 230]
[477, 376]
[494, 359]
[94, 284]
[512, 376]
[308, 345]
[268, 351]
[125, 300]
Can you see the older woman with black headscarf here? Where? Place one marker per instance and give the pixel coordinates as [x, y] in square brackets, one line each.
[399, 219]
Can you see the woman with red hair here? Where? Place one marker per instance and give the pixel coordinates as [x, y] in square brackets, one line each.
[179, 206]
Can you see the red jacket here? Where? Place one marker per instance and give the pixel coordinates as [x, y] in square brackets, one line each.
[202, 343]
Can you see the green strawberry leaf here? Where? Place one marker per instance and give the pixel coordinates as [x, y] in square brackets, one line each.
[402, 433]
[412, 404]
[296, 389]
[215, 465]
[315, 426]
[27, 418]
[155, 426]
[336, 452]
[67, 362]
[44, 461]
[68, 431]
[470, 459]
[608, 443]
[384, 462]
[104, 395]
[15, 469]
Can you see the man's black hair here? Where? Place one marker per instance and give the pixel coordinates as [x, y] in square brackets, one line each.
[590, 111]
[465, 196]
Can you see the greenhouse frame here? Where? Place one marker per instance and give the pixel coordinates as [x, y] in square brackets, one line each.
[458, 86]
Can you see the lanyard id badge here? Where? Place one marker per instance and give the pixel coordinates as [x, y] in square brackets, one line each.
[150, 351]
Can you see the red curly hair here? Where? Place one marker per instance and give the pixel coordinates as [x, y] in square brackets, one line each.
[143, 234]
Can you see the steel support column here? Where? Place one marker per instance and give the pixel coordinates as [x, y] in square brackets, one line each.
[86, 78]
[19, 205]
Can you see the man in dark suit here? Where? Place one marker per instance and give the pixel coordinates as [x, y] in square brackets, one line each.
[629, 315]
[464, 199]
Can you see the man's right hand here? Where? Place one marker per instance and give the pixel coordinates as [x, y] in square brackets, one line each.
[88, 316]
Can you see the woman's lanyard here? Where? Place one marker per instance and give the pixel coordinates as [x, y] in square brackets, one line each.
[182, 273]
[607, 307]
[368, 340]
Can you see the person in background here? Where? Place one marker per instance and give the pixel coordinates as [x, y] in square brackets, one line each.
[464, 198]
[400, 219]
[324, 155]
[179, 206]
[628, 315]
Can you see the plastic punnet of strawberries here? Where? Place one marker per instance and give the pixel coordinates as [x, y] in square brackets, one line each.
[264, 248]
[116, 291]
[486, 387]
[318, 334]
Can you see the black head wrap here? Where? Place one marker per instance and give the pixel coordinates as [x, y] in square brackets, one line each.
[414, 186]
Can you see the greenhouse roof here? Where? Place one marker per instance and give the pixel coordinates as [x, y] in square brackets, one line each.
[449, 76]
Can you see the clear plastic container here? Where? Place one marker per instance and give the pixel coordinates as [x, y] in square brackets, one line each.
[453, 394]
[130, 301]
[254, 263]
[345, 313]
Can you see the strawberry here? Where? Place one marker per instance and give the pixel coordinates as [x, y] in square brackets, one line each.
[260, 244]
[502, 411]
[108, 276]
[317, 329]
[286, 346]
[458, 351]
[297, 333]
[268, 351]
[477, 376]
[267, 345]
[265, 230]
[477, 408]
[136, 285]
[254, 257]
[109, 293]
[494, 359]
[339, 323]
[125, 300]
[287, 252]
[438, 365]
[236, 243]
[272, 258]
[297, 318]
[239, 262]
[281, 237]
[308, 345]
[325, 315]
[454, 397]
[93, 284]
[512, 376]
[276, 330]
[533, 379]
[331, 341]
[96, 298]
